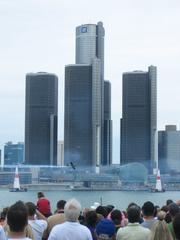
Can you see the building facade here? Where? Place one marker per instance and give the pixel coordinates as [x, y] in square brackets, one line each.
[78, 144]
[13, 153]
[90, 57]
[41, 119]
[139, 118]
[169, 149]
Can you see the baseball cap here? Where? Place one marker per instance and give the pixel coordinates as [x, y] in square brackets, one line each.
[105, 227]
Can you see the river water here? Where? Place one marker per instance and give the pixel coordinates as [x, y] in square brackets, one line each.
[119, 199]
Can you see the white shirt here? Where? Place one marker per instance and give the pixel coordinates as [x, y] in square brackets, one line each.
[70, 231]
[2, 234]
[38, 228]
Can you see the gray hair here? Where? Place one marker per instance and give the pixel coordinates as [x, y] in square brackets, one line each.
[72, 210]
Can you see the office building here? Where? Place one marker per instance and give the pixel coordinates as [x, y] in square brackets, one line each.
[169, 149]
[13, 153]
[139, 118]
[41, 119]
[78, 145]
[87, 74]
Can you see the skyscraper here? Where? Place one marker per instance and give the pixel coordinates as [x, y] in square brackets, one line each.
[169, 149]
[41, 119]
[88, 74]
[78, 115]
[139, 118]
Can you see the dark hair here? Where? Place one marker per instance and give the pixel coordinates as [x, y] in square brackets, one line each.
[169, 201]
[102, 210]
[91, 218]
[17, 217]
[133, 214]
[40, 194]
[148, 209]
[109, 208]
[165, 208]
[131, 205]
[173, 209]
[60, 204]
[116, 216]
[168, 218]
[31, 207]
[176, 226]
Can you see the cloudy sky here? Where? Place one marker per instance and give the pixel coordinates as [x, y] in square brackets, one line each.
[39, 35]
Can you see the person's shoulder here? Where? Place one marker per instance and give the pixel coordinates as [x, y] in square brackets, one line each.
[84, 227]
[41, 222]
[55, 216]
[59, 226]
[144, 229]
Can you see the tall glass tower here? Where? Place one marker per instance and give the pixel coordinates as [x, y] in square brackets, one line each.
[89, 52]
[139, 118]
[41, 119]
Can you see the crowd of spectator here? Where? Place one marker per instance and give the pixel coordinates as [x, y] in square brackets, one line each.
[30, 221]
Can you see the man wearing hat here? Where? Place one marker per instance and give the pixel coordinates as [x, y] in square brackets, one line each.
[105, 230]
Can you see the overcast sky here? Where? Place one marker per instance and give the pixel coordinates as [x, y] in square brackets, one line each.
[39, 35]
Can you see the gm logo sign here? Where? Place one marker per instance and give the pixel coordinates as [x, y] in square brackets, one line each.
[84, 29]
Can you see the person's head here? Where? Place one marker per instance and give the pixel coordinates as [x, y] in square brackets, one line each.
[40, 194]
[109, 208]
[31, 208]
[173, 209]
[60, 204]
[165, 208]
[102, 210]
[72, 210]
[105, 229]
[131, 204]
[116, 216]
[169, 201]
[176, 226]
[91, 218]
[17, 217]
[148, 209]
[133, 214]
[160, 231]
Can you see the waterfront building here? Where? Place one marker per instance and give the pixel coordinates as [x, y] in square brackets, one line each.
[7, 176]
[86, 76]
[41, 119]
[169, 149]
[60, 153]
[139, 118]
[13, 153]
